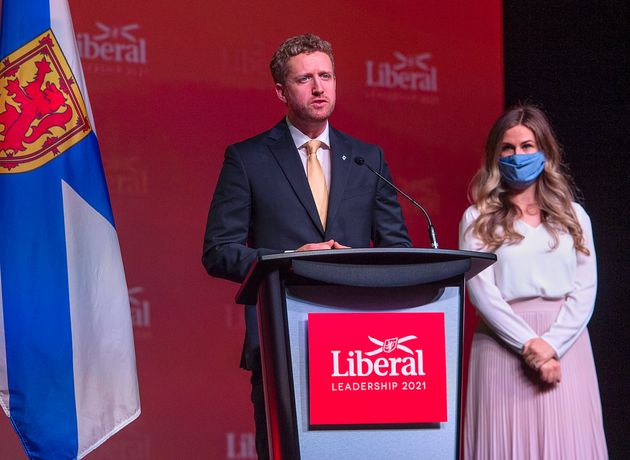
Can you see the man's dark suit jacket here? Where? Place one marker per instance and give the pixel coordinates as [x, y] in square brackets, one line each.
[262, 204]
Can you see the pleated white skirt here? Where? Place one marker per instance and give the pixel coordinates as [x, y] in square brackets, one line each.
[512, 414]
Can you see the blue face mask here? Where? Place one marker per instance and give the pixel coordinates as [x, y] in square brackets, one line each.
[522, 170]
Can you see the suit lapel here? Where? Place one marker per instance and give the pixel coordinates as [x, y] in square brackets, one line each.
[341, 159]
[283, 149]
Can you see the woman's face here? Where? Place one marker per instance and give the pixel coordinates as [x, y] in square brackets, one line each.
[518, 140]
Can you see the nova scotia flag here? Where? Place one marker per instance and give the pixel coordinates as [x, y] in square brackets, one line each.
[67, 364]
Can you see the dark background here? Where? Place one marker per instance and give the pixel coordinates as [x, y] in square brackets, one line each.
[571, 58]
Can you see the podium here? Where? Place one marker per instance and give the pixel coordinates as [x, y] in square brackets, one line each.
[362, 350]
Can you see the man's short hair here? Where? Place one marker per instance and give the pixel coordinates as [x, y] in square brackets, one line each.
[305, 43]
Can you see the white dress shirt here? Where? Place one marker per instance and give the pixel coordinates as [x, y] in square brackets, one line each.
[530, 269]
[323, 152]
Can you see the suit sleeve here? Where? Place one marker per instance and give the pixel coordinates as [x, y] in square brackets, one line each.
[225, 250]
[388, 224]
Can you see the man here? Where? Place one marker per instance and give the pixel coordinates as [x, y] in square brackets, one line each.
[273, 196]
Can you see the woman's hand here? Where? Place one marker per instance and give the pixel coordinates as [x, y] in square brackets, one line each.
[550, 372]
[537, 352]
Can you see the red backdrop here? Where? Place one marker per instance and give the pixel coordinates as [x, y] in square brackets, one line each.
[172, 83]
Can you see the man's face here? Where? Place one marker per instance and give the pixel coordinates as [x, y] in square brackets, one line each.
[309, 90]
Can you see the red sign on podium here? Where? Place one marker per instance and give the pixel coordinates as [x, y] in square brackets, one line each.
[376, 368]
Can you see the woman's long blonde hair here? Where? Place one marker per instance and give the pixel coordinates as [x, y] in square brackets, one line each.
[554, 187]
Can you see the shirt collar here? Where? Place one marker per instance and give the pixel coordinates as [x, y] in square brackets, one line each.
[299, 138]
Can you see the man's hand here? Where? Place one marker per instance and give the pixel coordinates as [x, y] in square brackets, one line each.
[537, 352]
[330, 244]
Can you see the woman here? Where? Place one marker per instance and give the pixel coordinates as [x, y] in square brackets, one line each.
[532, 389]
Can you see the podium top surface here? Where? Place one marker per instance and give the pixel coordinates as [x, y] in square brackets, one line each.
[375, 257]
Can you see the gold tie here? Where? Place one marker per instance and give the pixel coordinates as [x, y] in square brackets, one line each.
[316, 179]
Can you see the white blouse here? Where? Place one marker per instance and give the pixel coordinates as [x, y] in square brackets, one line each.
[529, 269]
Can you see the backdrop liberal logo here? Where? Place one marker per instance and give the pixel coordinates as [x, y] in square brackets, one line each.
[113, 44]
[140, 313]
[402, 380]
[408, 72]
[240, 446]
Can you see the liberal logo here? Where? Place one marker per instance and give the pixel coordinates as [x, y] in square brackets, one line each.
[409, 72]
[355, 364]
[42, 113]
[140, 308]
[376, 367]
[113, 44]
[390, 345]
